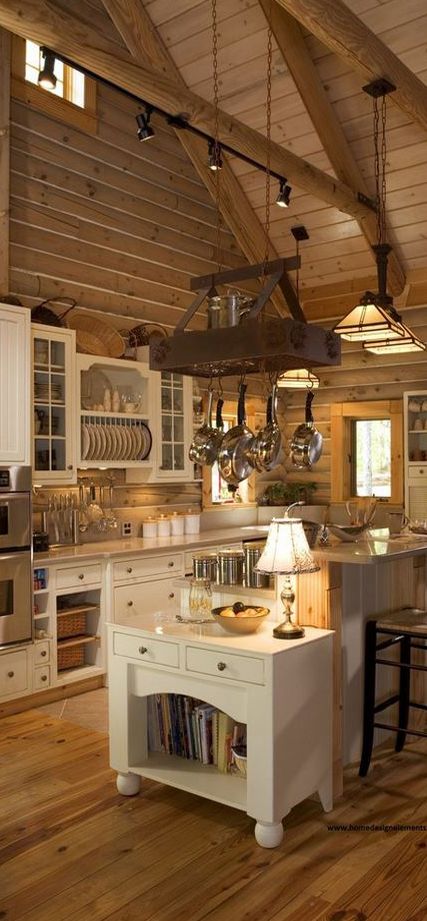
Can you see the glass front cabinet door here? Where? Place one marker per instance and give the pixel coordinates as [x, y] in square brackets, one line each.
[175, 398]
[53, 388]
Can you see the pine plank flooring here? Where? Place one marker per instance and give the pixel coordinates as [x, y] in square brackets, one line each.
[72, 848]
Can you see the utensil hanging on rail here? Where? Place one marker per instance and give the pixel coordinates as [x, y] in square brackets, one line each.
[234, 456]
[207, 440]
[307, 441]
[268, 441]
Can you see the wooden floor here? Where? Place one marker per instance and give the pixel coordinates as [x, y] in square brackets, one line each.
[72, 848]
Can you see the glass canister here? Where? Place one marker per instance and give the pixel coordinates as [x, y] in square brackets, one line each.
[231, 567]
[200, 599]
[205, 566]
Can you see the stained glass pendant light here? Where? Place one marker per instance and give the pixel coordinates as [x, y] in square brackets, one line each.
[298, 379]
[409, 342]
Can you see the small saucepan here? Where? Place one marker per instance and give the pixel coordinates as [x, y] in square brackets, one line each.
[307, 442]
[234, 455]
[268, 441]
[207, 440]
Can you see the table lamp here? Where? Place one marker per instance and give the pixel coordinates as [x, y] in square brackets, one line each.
[287, 552]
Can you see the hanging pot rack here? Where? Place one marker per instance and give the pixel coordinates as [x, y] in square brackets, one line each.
[275, 344]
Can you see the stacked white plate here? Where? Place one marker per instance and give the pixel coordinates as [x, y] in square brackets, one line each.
[45, 393]
[115, 442]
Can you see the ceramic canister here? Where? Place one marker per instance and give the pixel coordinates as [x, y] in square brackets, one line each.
[177, 525]
[149, 527]
[192, 522]
[164, 526]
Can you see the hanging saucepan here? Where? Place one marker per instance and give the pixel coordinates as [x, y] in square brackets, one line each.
[267, 443]
[234, 454]
[207, 440]
[228, 309]
[306, 444]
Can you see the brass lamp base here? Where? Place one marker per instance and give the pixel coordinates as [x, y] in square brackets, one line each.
[288, 630]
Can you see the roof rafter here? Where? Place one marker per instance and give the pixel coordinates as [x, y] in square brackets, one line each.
[143, 40]
[40, 21]
[291, 43]
[343, 32]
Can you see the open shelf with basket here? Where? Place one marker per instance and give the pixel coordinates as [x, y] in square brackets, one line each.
[78, 633]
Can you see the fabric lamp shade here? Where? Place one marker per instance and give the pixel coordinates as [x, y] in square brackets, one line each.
[286, 550]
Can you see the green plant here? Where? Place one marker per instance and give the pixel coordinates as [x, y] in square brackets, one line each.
[280, 493]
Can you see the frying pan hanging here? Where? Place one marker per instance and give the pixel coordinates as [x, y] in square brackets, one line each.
[307, 442]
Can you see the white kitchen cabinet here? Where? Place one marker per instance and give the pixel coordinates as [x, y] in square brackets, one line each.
[174, 412]
[53, 362]
[15, 430]
[415, 457]
[114, 414]
[137, 591]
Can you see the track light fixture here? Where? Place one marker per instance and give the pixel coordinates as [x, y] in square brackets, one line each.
[284, 195]
[144, 131]
[214, 153]
[46, 77]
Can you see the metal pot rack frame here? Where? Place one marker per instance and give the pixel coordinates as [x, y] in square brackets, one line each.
[256, 344]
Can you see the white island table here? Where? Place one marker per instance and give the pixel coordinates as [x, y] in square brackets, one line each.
[281, 690]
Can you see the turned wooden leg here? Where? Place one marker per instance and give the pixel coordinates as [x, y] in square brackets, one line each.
[268, 834]
[128, 784]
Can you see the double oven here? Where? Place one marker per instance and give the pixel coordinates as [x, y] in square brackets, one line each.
[16, 577]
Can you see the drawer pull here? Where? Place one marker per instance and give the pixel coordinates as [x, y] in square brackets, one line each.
[142, 650]
[44, 677]
[171, 594]
[82, 575]
[221, 666]
[11, 674]
[129, 569]
[130, 604]
[171, 563]
[43, 653]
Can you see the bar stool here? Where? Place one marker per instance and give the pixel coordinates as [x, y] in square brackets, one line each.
[408, 627]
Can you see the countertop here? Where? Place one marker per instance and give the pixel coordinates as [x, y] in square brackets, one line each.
[375, 547]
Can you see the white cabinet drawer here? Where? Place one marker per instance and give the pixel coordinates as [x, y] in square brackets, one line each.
[415, 472]
[224, 665]
[13, 672]
[41, 653]
[147, 566]
[76, 576]
[132, 601]
[153, 652]
[41, 677]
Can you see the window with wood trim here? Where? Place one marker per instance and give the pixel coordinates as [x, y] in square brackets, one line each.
[72, 101]
[367, 450]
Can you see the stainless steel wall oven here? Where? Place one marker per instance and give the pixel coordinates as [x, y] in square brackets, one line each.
[16, 585]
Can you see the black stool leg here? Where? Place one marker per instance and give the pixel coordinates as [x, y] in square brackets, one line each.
[404, 690]
[369, 697]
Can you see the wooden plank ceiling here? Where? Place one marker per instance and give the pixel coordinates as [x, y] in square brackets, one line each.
[337, 252]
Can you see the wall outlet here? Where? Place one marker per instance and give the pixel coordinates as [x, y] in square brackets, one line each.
[127, 529]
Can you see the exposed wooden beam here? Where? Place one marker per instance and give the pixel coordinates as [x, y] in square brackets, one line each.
[5, 45]
[343, 32]
[143, 40]
[291, 43]
[40, 21]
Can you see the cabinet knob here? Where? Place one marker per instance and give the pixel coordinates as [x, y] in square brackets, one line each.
[171, 563]
[81, 576]
[130, 604]
[44, 677]
[10, 674]
[129, 569]
[221, 666]
[421, 471]
[171, 594]
[69, 467]
[43, 653]
[142, 650]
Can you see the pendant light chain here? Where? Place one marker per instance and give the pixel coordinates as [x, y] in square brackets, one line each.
[380, 166]
[268, 134]
[217, 148]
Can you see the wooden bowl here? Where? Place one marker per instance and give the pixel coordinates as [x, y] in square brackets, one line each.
[241, 622]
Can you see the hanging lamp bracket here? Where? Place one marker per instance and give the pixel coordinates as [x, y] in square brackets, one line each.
[380, 87]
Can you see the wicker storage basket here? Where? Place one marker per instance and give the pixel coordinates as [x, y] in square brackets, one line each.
[95, 337]
[70, 657]
[70, 624]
